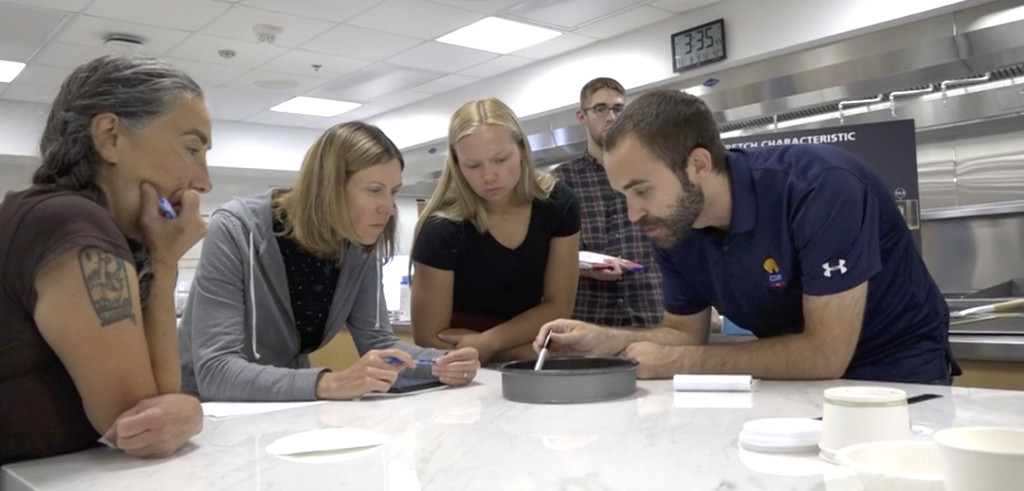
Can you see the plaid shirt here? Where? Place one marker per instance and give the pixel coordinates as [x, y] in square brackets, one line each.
[635, 300]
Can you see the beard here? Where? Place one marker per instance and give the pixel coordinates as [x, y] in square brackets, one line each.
[678, 223]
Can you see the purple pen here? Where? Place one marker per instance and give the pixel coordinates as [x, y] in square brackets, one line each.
[166, 209]
[419, 361]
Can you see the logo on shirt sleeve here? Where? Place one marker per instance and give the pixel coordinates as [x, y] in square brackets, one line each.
[775, 279]
[829, 268]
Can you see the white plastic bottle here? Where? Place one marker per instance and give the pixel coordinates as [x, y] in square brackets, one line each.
[404, 305]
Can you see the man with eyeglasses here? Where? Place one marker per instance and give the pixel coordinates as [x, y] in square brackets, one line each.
[626, 290]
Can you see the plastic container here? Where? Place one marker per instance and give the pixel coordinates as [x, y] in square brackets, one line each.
[404, 302]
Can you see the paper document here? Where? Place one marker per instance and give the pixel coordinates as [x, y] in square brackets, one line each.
[714, 383]
[590, 259]
[219, 410]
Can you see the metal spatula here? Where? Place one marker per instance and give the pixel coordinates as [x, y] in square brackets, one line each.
[543, 353]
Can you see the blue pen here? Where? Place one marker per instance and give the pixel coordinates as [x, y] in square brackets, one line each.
[166, 209]
[419, 361]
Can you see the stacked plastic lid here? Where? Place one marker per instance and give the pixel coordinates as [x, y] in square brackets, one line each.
[781, 435]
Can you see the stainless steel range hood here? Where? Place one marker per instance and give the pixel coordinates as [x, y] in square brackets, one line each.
[979, 45]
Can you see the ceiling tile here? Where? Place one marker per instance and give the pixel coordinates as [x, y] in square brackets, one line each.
[237, 103]
[301, 62]
[356, 42]
[62, 5]
[325, 123]
[189, 15]
[384, 104]
[374, 81]
[556, 46]
[209, 75]
[86, 30]
[66, 55]
[441, 57]
[201, 47]
[332, 10]
[30, 93]
[498, 65]
[445, 84]
[415, 18]
[629, 20]
[569, 14]
[274, 82]
[680, 6]
[483, 6]
[285, 119]
[24, 30]
[238, 23]
[43, 75]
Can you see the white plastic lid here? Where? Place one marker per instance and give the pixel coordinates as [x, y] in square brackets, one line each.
[777, 435]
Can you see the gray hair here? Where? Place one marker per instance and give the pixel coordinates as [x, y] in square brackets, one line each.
[137, 90]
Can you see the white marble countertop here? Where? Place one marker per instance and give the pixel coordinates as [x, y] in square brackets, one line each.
[471, 438]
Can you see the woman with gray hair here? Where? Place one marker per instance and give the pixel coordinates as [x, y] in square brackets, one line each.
[89, 258]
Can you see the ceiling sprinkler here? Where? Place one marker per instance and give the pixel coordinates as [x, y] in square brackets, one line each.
[266, 33]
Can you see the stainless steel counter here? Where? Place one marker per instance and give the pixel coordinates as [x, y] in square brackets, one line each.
[988, 347]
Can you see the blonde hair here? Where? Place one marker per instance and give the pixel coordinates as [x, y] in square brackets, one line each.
[314, 211]
[454, 199]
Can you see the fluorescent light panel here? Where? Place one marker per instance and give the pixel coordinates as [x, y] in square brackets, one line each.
[498, 35]
[314, 106]
[9, 70]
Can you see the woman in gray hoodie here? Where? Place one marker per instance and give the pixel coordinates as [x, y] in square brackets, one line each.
[281, 273]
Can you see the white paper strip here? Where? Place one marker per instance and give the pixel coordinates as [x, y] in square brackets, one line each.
[232, 409]
[714, 383]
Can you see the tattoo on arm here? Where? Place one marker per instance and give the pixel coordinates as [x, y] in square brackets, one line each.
[106, 279]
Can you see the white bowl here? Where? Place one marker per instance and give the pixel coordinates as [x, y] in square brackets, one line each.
[895, 465]
[990, 455]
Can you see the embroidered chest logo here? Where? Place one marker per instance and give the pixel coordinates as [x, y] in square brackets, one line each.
[775, 278]
[829, 268]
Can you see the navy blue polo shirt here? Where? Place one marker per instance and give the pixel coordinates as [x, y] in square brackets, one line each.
[813, 219]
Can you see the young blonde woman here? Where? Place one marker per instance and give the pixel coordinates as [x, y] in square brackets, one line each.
[496, 246]
[283, 272]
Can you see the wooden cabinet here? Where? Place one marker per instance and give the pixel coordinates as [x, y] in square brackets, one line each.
[991, 374]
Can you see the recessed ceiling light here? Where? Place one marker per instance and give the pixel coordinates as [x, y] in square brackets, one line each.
[498, 35]
[313, 106]
[9, 70]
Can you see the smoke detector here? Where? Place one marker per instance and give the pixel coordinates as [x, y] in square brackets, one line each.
[124, 44]
[266, 33]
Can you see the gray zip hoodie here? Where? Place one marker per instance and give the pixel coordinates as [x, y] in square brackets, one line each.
[238, 339]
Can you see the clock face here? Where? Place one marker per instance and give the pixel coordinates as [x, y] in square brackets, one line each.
[698, 46]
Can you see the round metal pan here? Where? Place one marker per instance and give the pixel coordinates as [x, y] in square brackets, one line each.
[568, 380]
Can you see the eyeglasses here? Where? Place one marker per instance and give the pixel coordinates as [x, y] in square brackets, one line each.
[602, 109]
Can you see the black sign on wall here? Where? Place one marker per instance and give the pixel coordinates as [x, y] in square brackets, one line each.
[889, 149]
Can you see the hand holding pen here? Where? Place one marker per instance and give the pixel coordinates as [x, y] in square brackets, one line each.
[169, 226]
[375, 371]
[166, 209]
[456, 367]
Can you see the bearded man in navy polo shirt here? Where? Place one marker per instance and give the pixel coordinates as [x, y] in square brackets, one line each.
[803, 245]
